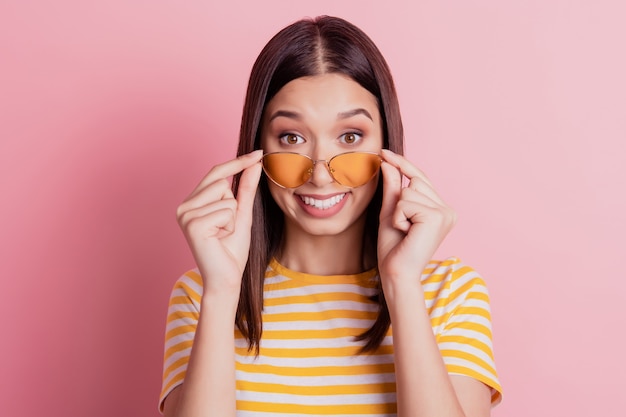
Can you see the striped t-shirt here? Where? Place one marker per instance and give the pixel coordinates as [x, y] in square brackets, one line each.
[309, 361]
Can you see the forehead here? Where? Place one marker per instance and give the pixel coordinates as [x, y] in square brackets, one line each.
[326, 93]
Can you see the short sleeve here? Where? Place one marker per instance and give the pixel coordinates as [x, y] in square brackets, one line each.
[465, 340]
[182, 320]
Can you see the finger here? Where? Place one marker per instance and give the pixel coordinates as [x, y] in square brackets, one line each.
[232, 167]
[418, 185]
[215, 191]
[408, 213]
[216, 224]
[392, 185]
[404, 165]
[186, 217]
[246, 191]
[411, 196]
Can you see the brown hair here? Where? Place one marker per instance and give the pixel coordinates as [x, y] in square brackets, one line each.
[305, 48]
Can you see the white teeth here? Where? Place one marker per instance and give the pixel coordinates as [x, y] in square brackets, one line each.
[323, 204]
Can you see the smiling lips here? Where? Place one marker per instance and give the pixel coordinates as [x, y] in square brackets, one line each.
[324, 204]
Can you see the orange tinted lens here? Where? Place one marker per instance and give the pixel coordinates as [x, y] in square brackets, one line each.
[354, 169]
[289, 170]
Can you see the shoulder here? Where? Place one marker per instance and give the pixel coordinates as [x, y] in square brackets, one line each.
[187, 289]
[453, 274]
[452, 282]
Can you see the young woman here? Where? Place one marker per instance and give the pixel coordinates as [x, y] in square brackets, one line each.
[315, 292]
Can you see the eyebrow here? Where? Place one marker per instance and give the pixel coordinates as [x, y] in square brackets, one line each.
[285, 113]
[354, 112]
[342, 115]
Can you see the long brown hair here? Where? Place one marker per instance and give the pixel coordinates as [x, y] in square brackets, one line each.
[305, 48]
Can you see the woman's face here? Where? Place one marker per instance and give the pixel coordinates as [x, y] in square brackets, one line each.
[322, 116]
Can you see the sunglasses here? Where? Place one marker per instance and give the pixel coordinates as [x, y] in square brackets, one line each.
[350, 169]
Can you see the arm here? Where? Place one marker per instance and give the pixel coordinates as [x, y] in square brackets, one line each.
[217, 229]
[209, 386]
[413, 222]
[424, 387]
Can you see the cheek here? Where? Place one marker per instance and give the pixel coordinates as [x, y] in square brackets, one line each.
[372, 187]
[279, 194]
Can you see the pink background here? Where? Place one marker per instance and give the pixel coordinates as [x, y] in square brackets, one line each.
[111, 112]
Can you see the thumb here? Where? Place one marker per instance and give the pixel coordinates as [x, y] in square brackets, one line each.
[248, 184]
[392, 185]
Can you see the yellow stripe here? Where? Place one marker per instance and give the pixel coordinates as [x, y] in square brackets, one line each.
[462, 370]
[180, 330]
[477, 327]
[190, 291]
[307, 299]
[181, 299]
[436, 279]
[183, 314]
[317, 390]
[178, 347]
[175, 365]
[383, 368]
[316, 316]
[437, 320]
[323, 280]
[196, 277]
[439, 303]
[434, 265]
[468, 357]
[174, 381]
[363, 279]
[472, 311]
[465, 288]
[317, 409]
[465, 341]
[311, 334]
[314, 352]
[478, 296]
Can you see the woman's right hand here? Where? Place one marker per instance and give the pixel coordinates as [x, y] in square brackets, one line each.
[217, 226]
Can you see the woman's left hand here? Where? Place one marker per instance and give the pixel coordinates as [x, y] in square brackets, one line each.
[414, 221]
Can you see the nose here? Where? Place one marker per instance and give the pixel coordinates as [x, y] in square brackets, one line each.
[321, 173]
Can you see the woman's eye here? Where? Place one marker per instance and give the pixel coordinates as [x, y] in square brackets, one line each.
[291, 139]
[351, 137]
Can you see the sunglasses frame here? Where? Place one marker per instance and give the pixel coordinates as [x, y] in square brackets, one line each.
[326, 162]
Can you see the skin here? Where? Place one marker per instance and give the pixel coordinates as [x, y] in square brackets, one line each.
[325, 116]
[413, 222]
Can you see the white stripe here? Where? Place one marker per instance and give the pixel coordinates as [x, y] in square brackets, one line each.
[308, 362]
[261, 414]
[276, 279]
[319, 324]
[476, 302]
[316, 381]
[436, 287]
[316, 400]
[467, 349]
[174, 373]
[471, 365]
[176, 356]
[191, 283]
[320, 289]
[186, 308]
[320, 306]
[336, 342]
[470, 334]
[438, 312]
[179, 323]
[466, 318]
[179, 338]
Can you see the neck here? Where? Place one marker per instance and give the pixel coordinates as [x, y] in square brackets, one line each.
[340, 254]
